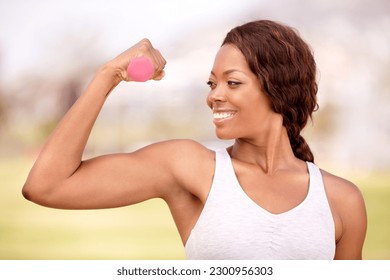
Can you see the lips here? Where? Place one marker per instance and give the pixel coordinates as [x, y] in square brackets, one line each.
[223, 115]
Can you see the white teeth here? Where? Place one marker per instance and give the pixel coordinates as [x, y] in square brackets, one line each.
[222, 115]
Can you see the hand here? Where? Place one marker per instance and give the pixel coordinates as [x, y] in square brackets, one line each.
[142, 48]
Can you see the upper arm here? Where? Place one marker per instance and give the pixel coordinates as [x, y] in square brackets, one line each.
[118, 179]
[349, 206]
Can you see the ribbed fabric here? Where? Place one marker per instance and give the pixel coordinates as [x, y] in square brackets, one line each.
[233, 226]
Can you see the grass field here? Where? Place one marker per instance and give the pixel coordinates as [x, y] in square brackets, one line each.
[144, 231]
[376, 192]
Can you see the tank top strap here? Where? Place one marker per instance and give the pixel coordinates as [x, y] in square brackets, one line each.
[223, 174]
[222, 158]
[316, 182]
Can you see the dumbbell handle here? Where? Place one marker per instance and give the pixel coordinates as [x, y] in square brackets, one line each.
[140, 69]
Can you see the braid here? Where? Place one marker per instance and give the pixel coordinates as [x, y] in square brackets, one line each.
[301, 149]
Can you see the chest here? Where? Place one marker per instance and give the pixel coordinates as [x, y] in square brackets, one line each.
[277, 193]
[238, 222]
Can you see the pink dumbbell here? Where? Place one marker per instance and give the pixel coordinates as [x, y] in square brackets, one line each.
[140, 69]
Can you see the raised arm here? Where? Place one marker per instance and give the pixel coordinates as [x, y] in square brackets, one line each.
[60, 179]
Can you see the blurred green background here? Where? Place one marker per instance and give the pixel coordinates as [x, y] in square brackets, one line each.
[143, 231]
[49, 49]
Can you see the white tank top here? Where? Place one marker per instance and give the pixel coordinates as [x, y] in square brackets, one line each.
[233, 226]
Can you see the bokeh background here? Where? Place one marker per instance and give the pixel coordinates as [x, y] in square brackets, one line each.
[49, 50]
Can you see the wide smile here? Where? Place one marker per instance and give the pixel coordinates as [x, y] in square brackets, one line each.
[222, 116]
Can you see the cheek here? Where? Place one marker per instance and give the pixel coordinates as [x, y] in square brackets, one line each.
[249, 119]
[257, 111]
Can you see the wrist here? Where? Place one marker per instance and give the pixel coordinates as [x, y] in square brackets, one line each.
[107, 78]
[109, 74]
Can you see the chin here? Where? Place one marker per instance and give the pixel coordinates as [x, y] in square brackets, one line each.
[225, 136]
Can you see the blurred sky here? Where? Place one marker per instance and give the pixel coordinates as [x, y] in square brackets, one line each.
[52, 39]
[28, 27]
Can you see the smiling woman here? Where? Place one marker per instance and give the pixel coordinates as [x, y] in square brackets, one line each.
[261, 198]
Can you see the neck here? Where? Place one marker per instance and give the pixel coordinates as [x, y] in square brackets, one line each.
[270, 152]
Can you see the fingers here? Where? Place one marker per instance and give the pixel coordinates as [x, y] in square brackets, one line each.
[145, 48]
[159, 76]
[159, 65]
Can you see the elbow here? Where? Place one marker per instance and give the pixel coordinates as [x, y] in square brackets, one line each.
[30, 189]
[26, 192]
[35, 192]
[29, 192]
[42, 193]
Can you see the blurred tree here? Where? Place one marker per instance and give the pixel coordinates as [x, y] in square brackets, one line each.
[3, 107]
[68, 94]
[3, 110]
[35, 100]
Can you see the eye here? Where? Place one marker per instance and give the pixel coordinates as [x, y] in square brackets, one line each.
[233, 84]
[211, 84]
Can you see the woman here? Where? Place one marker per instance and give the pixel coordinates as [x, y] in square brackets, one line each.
[261, 198]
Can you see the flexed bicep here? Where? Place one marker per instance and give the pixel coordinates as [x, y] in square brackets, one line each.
[112, 181]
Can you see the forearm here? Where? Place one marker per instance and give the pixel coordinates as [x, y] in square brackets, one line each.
[62, 153]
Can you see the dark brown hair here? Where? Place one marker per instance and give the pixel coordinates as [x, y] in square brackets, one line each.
[286, 68]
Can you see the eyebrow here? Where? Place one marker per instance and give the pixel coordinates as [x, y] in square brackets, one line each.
[227, 72]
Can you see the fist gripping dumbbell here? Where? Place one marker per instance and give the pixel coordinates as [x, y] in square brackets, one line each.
[140, 69]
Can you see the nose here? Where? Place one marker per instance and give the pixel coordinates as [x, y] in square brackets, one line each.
[216, 95]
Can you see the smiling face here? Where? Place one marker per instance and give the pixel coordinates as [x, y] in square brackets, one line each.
[240, 107]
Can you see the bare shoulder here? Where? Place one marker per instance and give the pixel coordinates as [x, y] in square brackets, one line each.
[190, 157]
[191, 163]
[344, 196]
[349, 214]
[340, 189]
[179, 149]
